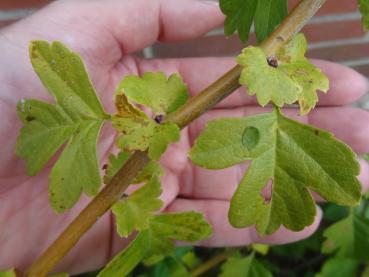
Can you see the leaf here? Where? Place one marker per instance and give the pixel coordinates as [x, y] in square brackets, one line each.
[136, 211]
[140, 132]
[340, 238]
[300, 70]
[76, 118]
[339, 267]
[244, 267]
[116, 162]
[8, 273]
[155, 91]
[364, 9]
[269, 14]
[153, 244]
[294, 77]
[348, 238]
[239, 16]
[60, 275]
[136, 127]
[124, 262]
[164, 134]
[297, 158]
[268, 83]
[185, 226]
[266, 14]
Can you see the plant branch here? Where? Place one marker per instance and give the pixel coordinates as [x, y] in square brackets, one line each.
[194, 108]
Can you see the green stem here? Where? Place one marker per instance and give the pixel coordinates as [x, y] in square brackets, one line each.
[194, 108]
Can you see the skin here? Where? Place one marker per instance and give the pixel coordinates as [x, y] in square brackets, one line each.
[107, 34]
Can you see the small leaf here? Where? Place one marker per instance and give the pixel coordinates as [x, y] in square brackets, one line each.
[292, 78]
[77, 117]
[348, 238]
[185, 226]
[299, 68]
[364, 9]
[296, 157]
[140, 132]
[116, 162]
[8, 273]
[124, 262]
[266, 14]
[164, 134]
[135, 212]
[155, 243]
[339, 267]
[155, 91]
[136, 127]
[268, 83]
[244, 267]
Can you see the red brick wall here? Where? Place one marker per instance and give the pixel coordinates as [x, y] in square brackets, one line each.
[335, 34]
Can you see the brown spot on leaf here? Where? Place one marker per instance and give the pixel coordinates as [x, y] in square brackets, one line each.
[273, 62]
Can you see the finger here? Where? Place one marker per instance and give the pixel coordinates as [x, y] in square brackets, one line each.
[216, 212]
[221, 184]
[346, 85]
[134, 24]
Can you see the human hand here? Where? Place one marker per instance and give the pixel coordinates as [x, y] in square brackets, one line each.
[106, 34]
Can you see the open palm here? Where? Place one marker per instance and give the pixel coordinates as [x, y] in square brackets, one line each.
[106, 34]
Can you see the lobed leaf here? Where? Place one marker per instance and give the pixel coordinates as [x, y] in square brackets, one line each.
[304, 73]
[163, 135]
[292, 78]
[140, 132]
[154, 90]
[116, 162]
[76, 118]
[240, 14]
[156, 242]
[297, 158]
[135, 212]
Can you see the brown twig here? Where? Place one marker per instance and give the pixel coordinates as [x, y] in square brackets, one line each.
[195, 107]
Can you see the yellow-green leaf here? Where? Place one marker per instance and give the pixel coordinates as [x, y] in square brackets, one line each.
[154, 90]
[284, 79]
[116, 162]
[156, 242]
[269, 84]
[136, 211]
[293, 62]
[76, 118]
[297, 158]
[140, 132]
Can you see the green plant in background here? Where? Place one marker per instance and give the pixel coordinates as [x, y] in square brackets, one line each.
[296, 157]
